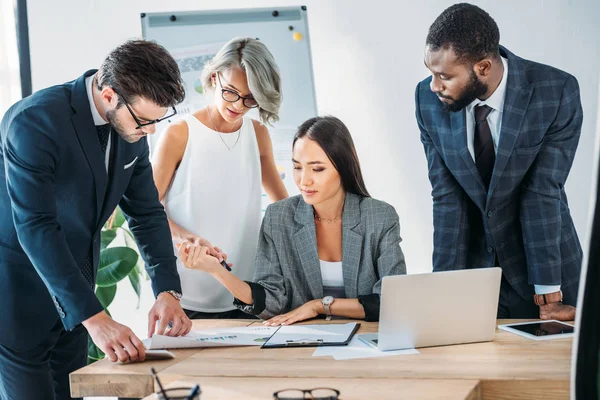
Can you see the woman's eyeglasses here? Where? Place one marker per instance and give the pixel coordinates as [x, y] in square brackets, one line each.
[231, 97]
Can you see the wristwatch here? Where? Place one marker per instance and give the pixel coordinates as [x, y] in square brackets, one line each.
[543, 299]
[327, 301]
[175, 294]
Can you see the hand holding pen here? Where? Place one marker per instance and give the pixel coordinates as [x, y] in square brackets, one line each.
[200, 257]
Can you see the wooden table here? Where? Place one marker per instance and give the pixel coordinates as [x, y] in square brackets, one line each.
[350, 389]
[510, 367]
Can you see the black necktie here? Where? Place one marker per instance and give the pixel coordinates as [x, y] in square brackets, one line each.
[88, 268]
[485, 157]
[103, 134]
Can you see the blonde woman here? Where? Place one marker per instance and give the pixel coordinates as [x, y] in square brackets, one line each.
[210, 166]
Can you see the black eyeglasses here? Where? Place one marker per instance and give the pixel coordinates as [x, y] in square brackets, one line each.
[313, 394]
[231, 97]
[137, 121]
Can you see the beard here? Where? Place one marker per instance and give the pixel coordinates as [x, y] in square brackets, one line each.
[474, 89]
[117, 126]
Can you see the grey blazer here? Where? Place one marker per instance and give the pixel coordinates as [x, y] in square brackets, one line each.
[287, 269]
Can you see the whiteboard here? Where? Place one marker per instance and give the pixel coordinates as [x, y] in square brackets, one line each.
[193, 37]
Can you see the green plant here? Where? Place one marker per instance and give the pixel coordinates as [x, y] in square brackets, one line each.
[116, 263]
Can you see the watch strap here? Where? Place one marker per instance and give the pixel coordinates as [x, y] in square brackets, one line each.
[549, 298]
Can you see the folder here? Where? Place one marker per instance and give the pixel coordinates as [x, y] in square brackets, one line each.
[312, 335]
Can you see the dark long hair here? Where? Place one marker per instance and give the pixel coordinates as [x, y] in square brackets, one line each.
[335, 140]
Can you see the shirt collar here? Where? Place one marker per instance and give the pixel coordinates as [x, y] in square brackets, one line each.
[496, 100]
[89, 81]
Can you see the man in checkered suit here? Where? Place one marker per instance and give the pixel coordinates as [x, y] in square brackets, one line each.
[500, 134]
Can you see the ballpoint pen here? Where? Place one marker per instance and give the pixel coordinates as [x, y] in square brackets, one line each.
[224, 264]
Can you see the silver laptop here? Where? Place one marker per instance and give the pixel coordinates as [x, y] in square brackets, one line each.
[438, 308]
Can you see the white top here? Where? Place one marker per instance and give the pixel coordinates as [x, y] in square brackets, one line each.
[216, 194]
[89, 81]
[331, 273]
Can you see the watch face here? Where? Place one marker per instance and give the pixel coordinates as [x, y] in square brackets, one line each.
[327, 300]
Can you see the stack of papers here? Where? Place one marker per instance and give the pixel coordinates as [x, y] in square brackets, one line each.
[358, 349]
[242, 336]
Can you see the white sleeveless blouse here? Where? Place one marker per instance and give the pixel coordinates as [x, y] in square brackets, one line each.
[216, 194]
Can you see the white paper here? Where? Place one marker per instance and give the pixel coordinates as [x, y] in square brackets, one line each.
[240, 336]
[358, 349]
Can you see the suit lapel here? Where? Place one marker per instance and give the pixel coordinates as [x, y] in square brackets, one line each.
[351, 245]
[516, 101]
[459, 132]
[305, 240]
[86, 133]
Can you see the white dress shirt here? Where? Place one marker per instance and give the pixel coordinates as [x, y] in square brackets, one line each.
[98, 120]
[496, 102]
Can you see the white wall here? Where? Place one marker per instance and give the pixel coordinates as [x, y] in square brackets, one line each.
[368, 57]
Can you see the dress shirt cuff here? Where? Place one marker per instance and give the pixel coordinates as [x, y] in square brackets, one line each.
[370, 303]
[258, 297]
[546, 289]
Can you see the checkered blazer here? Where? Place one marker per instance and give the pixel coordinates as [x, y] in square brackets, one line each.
[287, 263]
[524, 218]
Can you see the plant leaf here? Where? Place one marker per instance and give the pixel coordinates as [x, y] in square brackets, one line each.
[107, 236]
[115, 264]
[130, 242]
[134, 279]
[119, 218]
[94, 353]
[106, 294]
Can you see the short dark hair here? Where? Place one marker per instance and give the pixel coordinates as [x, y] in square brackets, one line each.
[335, 140]
[468, 30]
[142, 68]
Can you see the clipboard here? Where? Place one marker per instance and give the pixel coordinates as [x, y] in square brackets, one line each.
[312, 335]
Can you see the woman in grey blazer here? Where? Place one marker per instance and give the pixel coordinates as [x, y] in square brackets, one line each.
[324, 251]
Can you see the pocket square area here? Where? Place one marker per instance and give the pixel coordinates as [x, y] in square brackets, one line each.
[130, 164]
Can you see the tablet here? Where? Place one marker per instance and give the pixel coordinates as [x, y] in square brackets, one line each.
[540, 330]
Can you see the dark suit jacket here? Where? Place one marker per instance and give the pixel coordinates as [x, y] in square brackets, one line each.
[55, 196]
[524, 218]
[287, 260]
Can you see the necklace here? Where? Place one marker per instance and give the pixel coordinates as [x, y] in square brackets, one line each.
[219, 132]
[336, 219]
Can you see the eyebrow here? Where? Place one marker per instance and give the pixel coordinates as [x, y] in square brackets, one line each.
[429, 68]
[227, 85]
[309, 163]
[434, 71]
[139, 116]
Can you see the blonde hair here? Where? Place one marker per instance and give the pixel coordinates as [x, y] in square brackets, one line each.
[256, 60]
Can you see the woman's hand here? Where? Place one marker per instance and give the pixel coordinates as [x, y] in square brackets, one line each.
[309, 310]
[197, 257]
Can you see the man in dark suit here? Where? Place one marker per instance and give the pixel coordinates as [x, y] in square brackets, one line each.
[500, 133]
[69, 155]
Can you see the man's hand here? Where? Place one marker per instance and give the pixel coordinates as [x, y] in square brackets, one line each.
[308, 310]
[558, 311]
[168, 312]
[117, 341]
